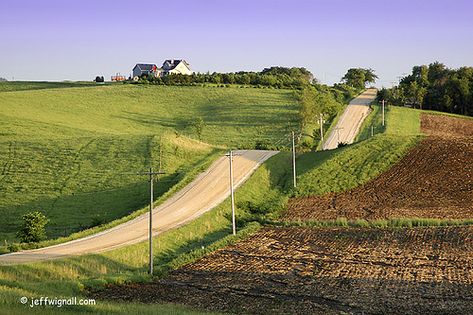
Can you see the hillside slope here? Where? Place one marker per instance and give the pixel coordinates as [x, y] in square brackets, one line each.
[72, 152]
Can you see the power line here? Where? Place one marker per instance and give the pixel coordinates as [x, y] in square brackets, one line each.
[151, 201]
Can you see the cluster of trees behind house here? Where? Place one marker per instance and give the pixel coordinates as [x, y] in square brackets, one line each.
[277, 77]
[434, 87]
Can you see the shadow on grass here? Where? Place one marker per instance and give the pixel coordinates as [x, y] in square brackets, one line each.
[163, 259]
[311, 160]
[108, 204]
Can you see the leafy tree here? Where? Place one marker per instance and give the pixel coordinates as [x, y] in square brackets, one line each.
[383, 94]
[415, 94]
[370, 76]
[436, 87]
[359, 77]
[314, 102]
[32, 229]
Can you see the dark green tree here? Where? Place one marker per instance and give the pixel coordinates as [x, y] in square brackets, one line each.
[359, 77]
[33, 228]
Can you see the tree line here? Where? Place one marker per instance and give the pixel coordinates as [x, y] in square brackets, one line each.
[277, 77]
[434, 87]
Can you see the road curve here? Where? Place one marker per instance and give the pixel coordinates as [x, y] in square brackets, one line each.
[208, 190]
[350, 121]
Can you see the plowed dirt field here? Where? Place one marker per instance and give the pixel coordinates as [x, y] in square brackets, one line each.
[326, 271]
[434, 180]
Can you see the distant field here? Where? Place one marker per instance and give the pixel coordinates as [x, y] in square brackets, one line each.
[9, 86]
[65, 150]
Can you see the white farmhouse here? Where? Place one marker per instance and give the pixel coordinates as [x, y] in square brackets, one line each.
[170, 66]
[176, 66]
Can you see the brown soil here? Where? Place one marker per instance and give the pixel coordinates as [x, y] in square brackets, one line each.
[441, 125]
[434, 180]
[325, 271]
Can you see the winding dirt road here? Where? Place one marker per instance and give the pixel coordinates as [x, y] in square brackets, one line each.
[350, 122]
[204, 193]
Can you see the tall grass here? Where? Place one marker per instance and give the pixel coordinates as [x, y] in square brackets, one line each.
[379, 223]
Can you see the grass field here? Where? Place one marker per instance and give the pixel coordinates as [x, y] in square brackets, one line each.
[66, 150]
[9, 86]
[261, 198]
[232, 116]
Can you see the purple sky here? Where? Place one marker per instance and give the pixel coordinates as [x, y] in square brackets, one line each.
[78, 39]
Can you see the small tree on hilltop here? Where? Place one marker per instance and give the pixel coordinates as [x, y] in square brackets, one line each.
[359, 77]
[32, 229]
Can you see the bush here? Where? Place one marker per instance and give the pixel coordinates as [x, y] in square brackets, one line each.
[14, 247]
[33, 227]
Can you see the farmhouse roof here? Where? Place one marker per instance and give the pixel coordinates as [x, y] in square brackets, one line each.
[170, 64]
[145, 66]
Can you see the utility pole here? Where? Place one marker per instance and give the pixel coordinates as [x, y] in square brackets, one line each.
[372, 130]
[321, 117]
[151, 200]
[382, 104]
[230, 155]
[294, 159]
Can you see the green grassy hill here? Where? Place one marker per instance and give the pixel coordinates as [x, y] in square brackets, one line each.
[66, 150]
